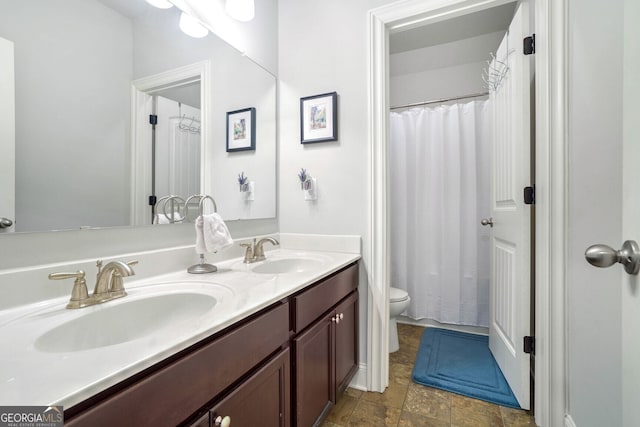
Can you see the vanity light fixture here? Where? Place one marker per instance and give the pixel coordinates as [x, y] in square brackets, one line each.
[161, 4]
[241, 10]
[191, 27]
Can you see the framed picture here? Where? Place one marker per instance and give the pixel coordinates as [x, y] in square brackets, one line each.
[241, 130]
[319, 118]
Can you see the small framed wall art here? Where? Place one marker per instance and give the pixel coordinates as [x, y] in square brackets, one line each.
[241, 130]
[319, 118]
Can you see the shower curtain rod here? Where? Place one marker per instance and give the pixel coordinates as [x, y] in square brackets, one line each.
[437, 101]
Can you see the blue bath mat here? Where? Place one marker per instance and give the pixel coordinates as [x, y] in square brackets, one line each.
[461, 363]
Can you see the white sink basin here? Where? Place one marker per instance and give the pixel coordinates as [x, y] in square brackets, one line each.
[123, 320]
[287, 265]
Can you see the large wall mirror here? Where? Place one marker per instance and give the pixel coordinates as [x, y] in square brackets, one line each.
[87, 74]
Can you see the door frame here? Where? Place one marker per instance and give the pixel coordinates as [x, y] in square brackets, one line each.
[551, 112]
[141, 90]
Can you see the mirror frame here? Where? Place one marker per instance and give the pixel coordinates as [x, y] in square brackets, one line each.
[141, 99]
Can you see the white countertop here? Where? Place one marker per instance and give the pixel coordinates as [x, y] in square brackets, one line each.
[31, 376]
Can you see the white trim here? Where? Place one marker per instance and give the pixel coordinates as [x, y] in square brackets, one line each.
[568, 421]
[140, 161]
[359, 381]
[551, 230]
[551, 116]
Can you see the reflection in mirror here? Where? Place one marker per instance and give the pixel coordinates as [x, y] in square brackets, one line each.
[74, 63]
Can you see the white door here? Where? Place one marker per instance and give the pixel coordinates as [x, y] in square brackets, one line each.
[631, 214]
[511, 233]
[7, 136]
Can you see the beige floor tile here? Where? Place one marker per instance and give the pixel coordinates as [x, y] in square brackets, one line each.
[403, 357]
[409, 419]
[329, 424]
[400, 373]
[516, 417]
[353, 392]
[428, 402]
[392, 397]
[341, 412]
[467, 412]
[371, 414]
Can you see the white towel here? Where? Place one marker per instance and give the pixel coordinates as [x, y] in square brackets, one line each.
[166, 219]
[212, 234]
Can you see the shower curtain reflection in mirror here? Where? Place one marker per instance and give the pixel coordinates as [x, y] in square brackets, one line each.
[177, 157]
[439, 161]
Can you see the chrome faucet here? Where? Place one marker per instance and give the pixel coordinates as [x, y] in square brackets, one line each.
[109, 283]
[255, 251]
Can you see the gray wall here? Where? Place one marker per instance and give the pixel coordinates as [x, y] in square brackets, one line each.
[56, 186]
[21, 250]
[595, 161]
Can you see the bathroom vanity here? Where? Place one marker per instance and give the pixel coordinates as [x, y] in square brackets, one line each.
[280, 349]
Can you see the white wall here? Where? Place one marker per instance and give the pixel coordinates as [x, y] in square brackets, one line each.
[595, 128]
[54, 83]
[323, 48]
[441, 71]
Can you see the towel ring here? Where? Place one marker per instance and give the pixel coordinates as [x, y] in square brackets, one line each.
[202, 198]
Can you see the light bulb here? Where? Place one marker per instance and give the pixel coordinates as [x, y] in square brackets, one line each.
[161, 4]
[241, 10]
[191, 27]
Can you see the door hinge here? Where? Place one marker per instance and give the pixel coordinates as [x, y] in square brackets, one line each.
[153, 119]
[529, 44]
[152, 200]
[530, 345]
[530, 195]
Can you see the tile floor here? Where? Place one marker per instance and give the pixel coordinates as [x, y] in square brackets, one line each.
[406, 404]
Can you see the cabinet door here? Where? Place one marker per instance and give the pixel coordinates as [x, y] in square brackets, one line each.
[315, 371]
[346, 333]
[262, 400]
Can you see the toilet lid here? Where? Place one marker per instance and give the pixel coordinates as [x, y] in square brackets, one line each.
[396, 294]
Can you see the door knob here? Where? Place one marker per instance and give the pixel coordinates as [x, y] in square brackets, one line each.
[486, 221]
[5, 223]
[605, 256]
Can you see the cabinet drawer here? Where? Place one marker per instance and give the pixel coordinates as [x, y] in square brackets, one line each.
[310, 304]
[175, 392]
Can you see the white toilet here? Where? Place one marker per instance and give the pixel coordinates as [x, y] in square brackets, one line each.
[398, 303]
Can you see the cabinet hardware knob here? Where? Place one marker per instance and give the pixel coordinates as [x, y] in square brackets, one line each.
[334, 319]
[222, 422]
[341, 316]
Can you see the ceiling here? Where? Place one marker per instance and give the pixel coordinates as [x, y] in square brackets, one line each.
[128, 8]
[463, 27]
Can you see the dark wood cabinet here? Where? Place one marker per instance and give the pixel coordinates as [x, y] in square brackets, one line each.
[262, 400]
[346, 342]
[315, 378]
[326, 352]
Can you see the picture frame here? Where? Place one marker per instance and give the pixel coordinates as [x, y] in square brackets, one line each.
[241, 130]
[319, 118]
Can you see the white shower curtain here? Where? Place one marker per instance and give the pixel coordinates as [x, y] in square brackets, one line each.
[439, 193]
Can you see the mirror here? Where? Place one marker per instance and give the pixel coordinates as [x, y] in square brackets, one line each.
[78, 159]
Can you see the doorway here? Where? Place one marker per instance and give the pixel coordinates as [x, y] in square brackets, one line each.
[550, 109]
[469, 167]
[185, 85]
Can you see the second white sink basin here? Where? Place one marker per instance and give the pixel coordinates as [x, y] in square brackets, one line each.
[287, 265]
[124, 320]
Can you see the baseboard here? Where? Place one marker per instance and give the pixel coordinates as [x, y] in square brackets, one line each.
[435, 324]
[568, 421]
[359, 381]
